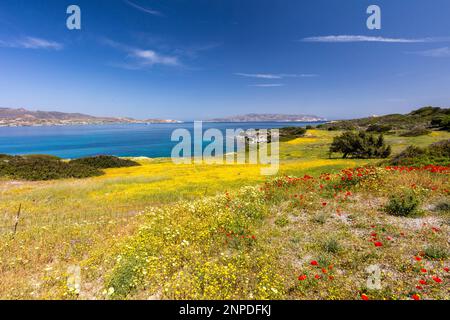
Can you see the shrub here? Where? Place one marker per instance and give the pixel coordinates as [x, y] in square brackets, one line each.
[43, 168]
[282, 221]
[40, 156]
[403, 205]
[320, 218]
[5, 157]
[360, 145]
[105, 162]
[379, 128]
[291, 133]
[434, 252]
[443, 207]
[435, 154]
[416, 132]
[331, 246]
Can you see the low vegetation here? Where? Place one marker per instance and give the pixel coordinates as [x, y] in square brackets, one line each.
[416, 132]
[291, 133]
[165, 231]
[436, 153]
[405, 204]
[46, 167]
[105, 162]
[427, 117]
[36, 168]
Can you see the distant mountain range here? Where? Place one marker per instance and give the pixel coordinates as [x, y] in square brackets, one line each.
[269, 117]
[22, 117]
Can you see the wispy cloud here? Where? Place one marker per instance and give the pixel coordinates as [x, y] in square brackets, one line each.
[144, 9]
[150, 57]
[32, 43]
[267, 85]
[142, 58]
[359, 38]
[435, 53]
[270, 76]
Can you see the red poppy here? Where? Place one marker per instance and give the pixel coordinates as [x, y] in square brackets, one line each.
[324, 204]
[302, 277]
[378, 244]
[317, 276]
[421, 281]
[446, 269]
[415, 297]
[437, 279]
[324, 270]
[423, 270]
[314, 263]
[417, 258]
[364, 297]
[419, 288]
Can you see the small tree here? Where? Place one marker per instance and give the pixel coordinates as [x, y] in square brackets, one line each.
[360, 145]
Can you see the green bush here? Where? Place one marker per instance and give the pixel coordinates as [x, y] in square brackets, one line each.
[436, 252]
[360, 145]
[442, 122]
[282, 221]
[442, 207]
[435, 154]
[403, 205]
[416, 132]
[379, 128]
[104, 162]
[291, 133]
[36, 168]
[331, 246]
[419, 118]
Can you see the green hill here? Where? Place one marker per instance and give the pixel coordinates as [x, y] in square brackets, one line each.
[424, 118]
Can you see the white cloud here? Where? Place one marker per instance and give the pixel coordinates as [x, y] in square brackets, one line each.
[143, 9]
[258, 75]
[267, 85]
[435, 53]
[358, 38]
[32, 43]
[270, 76]
[142, 57]
[150, 57]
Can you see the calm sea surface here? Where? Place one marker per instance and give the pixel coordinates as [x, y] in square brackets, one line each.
[129, 140]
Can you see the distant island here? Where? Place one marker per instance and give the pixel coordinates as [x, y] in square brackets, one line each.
[21, 117]
[269, 117]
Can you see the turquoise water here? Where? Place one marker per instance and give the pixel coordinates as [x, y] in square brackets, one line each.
[129, 140]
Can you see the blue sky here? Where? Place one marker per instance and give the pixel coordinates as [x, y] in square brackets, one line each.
[198, 59]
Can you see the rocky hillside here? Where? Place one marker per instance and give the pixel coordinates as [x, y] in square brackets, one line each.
[23, 117]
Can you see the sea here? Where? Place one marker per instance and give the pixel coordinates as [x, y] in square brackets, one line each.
[122, 140]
